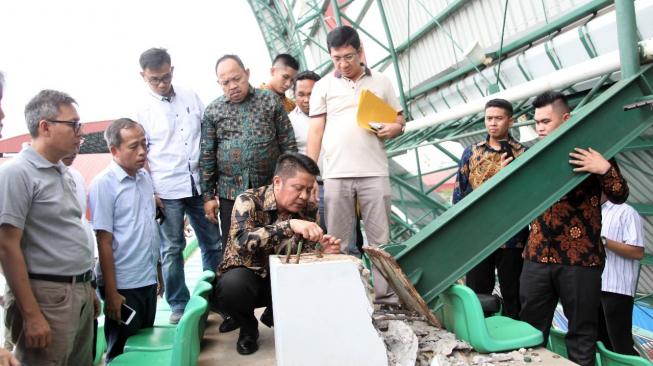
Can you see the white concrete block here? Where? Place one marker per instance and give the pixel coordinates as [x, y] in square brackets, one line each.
[322, 316]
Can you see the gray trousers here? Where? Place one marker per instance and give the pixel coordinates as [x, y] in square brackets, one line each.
[373, 194]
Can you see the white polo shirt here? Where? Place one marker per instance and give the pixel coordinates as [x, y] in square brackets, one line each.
[172, 129]
[350, 151]
[623, 224]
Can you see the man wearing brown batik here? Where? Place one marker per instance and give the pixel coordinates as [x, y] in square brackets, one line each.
[263, 222]
[564, 256]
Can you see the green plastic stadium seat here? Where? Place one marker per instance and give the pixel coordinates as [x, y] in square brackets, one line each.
[609, 358]
[185, 349]
[557, 343]
[463, 315]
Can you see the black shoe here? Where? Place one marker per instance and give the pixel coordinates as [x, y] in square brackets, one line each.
[247, 343]
[228, 324]
[267, 317]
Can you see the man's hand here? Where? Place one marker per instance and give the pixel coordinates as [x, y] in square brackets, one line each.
[7, 359]
[589, 161]
[505, 160]
[160, 286]
[307, 229]
[158, 202]
[389, 130]
[37, 331]
[112, 305]
[96, 305]
[210, 209]
[315, 194]
[330, 244]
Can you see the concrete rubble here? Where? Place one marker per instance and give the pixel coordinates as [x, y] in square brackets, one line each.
[410, 340]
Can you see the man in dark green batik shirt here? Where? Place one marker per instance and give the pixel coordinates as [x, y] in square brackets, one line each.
[243, 133]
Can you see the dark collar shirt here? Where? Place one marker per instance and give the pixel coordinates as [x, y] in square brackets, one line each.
[479, 163]
[241, 142]
[259, 230]
[569, 232]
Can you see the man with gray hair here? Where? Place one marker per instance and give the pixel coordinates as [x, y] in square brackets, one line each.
[44, 249]
[123, 209]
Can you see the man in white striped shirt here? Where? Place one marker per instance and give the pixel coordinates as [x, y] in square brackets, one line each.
[622, 236]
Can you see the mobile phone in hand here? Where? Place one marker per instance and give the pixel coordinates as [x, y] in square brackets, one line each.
[506, 148]
[126, 314]
[375, 126]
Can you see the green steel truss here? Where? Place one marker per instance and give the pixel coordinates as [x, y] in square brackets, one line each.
[435, 246]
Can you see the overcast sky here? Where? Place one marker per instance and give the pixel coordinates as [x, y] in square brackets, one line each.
[90, 50]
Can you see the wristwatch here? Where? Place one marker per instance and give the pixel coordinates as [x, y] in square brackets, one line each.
[604, 241]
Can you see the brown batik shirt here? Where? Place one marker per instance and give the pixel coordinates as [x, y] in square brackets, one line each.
[259, 230]
[569, 232]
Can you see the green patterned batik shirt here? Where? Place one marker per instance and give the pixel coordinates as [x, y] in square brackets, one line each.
[259, 230]
[241, 142]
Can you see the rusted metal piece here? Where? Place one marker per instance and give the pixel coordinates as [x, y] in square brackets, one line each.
[288, 250]
[410, 298]
[299, 250]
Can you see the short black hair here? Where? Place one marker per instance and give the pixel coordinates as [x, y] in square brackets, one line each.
[154, 58]
[552, 97]
[287, 60]
[500, 103]
[289, 164]
[305, 75]
[230, 57]
[342, 37]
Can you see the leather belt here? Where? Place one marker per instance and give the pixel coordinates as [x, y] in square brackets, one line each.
[84, 277]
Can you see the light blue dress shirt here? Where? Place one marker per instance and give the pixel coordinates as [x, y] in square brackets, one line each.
[124, 206]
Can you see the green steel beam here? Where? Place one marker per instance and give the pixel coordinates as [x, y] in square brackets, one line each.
[336, 12]
[395, 61]
[521, 191]
[554, 26]
[627, 36]
[640, 143]
[427, 201]
[426, 29]
[644, 209]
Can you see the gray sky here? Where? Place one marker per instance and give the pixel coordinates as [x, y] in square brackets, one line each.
[90, 50]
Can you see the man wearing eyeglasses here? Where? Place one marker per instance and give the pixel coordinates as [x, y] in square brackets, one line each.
[355, 164]
[243, 133]
[44, 248]
[171, 117]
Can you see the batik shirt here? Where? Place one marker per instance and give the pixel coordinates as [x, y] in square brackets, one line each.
[259, 230]
[569, 232]
[241, 142]
[288, 104]
[479, 163]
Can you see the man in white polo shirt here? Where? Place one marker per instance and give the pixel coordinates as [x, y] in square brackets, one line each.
[44, 249]
[355, 162]
[172, 117]
[623, 238]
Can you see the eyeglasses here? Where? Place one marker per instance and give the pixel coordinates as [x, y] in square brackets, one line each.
[75, 125]
[235, 79]
[347, 58]
[164, 79]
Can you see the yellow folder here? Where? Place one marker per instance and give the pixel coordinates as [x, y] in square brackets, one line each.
[373, 109]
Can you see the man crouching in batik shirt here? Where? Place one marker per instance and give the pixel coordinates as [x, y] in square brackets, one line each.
[263, 222]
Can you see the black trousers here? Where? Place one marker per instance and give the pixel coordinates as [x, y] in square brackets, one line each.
[238, 292]
[579, 291]
[616, 322]
[508, 263]
[226, 206]
[143, 301]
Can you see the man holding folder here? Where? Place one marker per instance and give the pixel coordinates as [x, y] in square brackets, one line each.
[354, 162]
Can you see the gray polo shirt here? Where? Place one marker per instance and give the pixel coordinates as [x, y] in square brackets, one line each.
[37, 197]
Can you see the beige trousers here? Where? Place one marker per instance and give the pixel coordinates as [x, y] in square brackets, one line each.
[374, 197]
[68, 308]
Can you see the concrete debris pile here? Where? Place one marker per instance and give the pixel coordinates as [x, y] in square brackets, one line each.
[410, 340]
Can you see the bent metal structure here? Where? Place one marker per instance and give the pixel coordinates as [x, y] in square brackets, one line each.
[446, 58]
